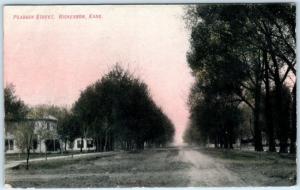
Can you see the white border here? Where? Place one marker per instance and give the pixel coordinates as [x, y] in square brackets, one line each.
[86, 2]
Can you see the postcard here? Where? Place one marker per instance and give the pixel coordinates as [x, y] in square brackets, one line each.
[177, 95]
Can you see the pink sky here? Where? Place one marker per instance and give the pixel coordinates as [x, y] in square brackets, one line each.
[51, 61]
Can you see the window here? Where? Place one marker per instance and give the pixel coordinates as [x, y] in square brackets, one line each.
[34, 144]
[6, 145]
[79, 144]
[89, 143]
[52, 145]
[9, 144]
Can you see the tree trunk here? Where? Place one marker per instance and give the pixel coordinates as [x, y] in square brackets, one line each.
[257, 98]
[97, 144]
[40, 146]
[27, 159]
[225, 139]
[28, 152]
[231, 137]
[283, 135]
[46, 154]
[81, 144]
[101, 144]
[54, 149]
[105, 142]
[293, 134]
[112, 143]
[109, 142]
[66, 145]
[268, 107]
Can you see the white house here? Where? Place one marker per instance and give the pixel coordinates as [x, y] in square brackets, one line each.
[86, 143]
[45, 130]
[45, 138]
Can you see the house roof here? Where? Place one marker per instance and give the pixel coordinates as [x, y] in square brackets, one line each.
[44, 118]
[50, 117]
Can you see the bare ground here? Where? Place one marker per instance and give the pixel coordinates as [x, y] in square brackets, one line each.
[174, 167]
[207, 171]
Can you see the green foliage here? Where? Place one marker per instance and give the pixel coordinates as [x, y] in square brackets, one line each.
[14, 108]
[213, 119]
[24, 133]
[69, 129]
[119, 109]
[237, 53]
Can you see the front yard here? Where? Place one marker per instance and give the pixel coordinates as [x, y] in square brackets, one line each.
[152, 168]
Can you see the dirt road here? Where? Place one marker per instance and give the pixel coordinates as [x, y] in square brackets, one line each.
[207, 171]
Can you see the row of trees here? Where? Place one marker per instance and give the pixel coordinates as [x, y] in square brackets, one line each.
[243, 58]
[115, 111]
[118, 111]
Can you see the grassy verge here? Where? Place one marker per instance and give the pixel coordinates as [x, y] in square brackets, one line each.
[258, 168]
[23, 156]
[149, 168]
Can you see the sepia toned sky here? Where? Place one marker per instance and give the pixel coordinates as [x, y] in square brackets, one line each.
[51, 61]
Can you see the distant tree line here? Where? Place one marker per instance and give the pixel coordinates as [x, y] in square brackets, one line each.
[243, 58]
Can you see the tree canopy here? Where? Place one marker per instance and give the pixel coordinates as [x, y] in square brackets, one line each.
[240, 54]
[117, 110]
[14, 107]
